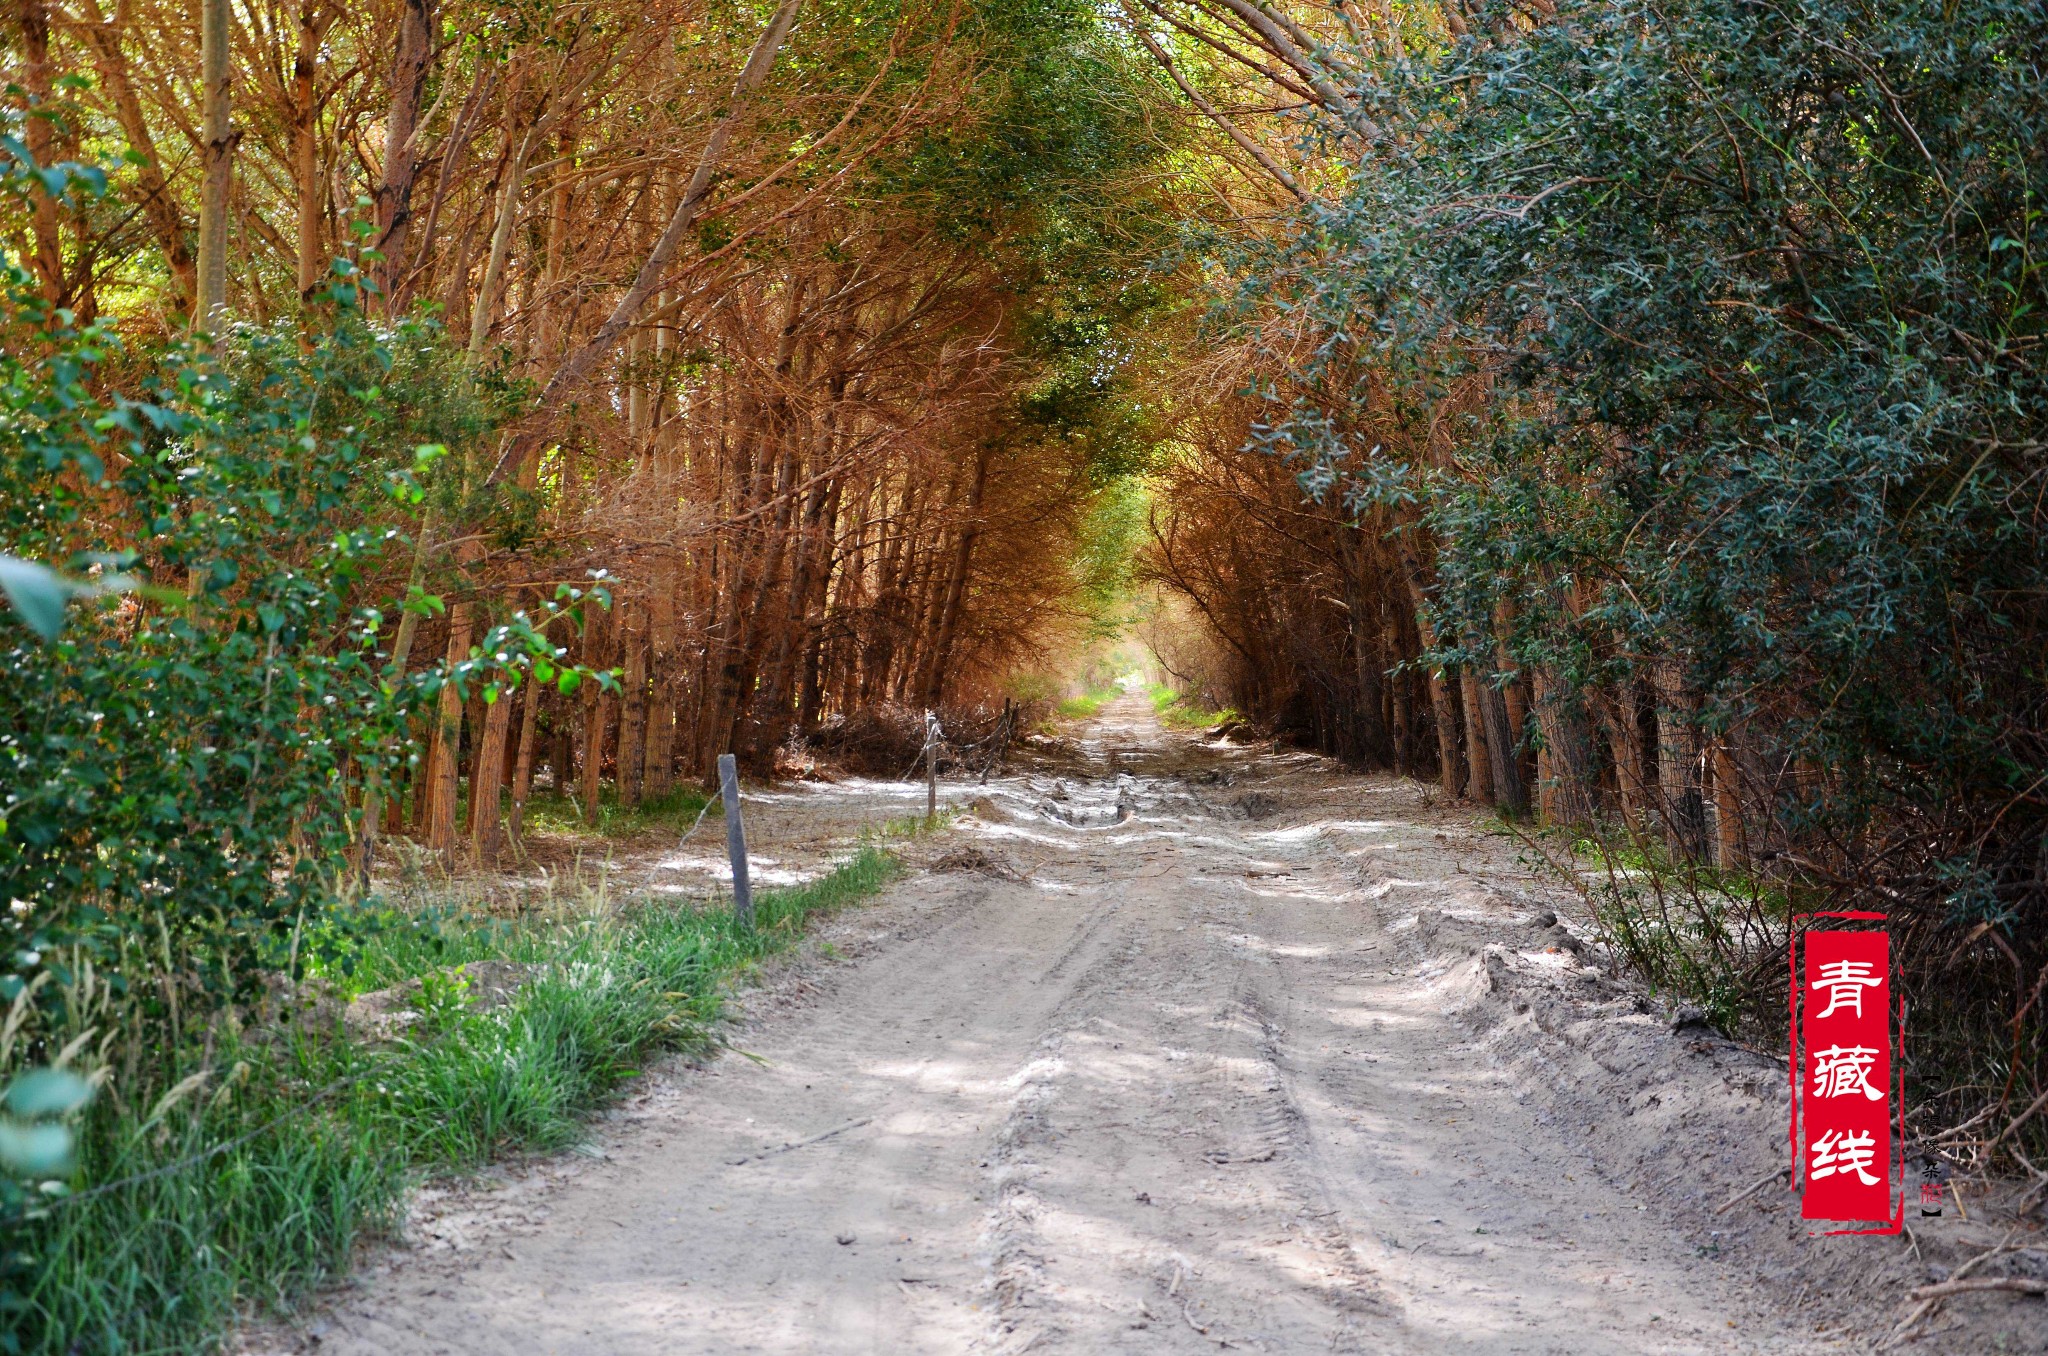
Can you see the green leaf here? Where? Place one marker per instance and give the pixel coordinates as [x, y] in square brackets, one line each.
[37, 594]
[34, 1151]
[47, 1092]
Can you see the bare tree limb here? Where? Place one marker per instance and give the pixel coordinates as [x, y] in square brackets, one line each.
[578, 365]
[1251, 148]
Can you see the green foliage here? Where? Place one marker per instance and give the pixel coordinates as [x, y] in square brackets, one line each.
[1766, 282]
[1065, 115]
[1105, 559]
[1086, 706]
[181, 763]
[1758, 291]
[1179, 711]
[193, 692]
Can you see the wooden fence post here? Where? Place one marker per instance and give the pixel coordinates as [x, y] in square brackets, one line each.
[931, 768]
[999, 742]
[735, 839]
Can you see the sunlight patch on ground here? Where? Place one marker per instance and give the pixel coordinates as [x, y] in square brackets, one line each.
[1019, 833]
[760, 870]
[1382, 889]
[1300, 833]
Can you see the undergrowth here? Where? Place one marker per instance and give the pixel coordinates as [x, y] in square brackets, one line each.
[1715, 938]
[257, 1162]
[1179, 711]
[1704, 935]
[1087, 705]
[671, 812]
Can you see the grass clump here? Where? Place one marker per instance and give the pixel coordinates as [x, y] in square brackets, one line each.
[261, 1155]
[1179, 711]
[671, 812]
[1087, 705]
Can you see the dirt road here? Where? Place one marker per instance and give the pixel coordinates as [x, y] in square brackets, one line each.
[1196, 1080]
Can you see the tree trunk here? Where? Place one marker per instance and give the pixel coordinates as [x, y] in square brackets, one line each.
[1620, 722]
[522, 768]
[1508, 787]
[443, 774]
[659, 774]
[956, 583]
[597, 711]
[311, 184]
[1731, 833]
[1398, 696]
[46, 219]
[1447, 714]
[633, 703]
[1503, 769]
[1679, 790]
[394, 810]
[487, 779]
[217, 145]
[412, 55]
[1368, 669]
[1567, 788]
[423, 778]
[1442, 702]
[1478, 756]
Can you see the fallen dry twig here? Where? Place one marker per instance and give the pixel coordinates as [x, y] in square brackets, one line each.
[802, 1143]
[1929, 1300]
[1739, 1197]
[2025, 1285]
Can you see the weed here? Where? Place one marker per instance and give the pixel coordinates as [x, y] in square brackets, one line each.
[1712, 937]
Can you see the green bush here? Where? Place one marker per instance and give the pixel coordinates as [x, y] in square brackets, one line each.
[181, 767]
[195, 688]
[1733, 315]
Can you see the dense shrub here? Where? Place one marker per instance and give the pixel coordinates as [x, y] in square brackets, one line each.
[180, 767]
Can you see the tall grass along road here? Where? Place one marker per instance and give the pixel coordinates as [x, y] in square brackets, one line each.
[258, 1170]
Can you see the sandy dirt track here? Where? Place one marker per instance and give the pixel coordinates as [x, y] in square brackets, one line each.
[1195, 1081]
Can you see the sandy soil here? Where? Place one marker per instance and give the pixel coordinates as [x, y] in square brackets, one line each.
[1282, 1062]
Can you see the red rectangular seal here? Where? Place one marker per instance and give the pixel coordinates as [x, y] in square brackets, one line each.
[1844, 1047]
